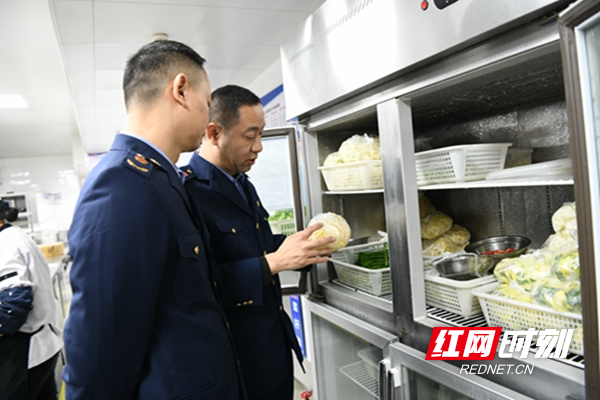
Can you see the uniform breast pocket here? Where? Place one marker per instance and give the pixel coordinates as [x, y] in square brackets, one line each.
[226, 241]
[192, 278]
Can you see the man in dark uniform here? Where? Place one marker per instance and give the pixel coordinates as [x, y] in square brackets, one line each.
[145, 322]
[247, 253]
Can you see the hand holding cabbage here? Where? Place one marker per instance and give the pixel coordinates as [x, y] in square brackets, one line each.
[297, 250]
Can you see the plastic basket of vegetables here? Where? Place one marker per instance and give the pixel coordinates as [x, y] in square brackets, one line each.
[364, 267]
[512, 309]
[355, 166]
[282, 222]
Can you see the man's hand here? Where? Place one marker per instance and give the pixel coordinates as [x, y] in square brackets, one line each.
[297, 251]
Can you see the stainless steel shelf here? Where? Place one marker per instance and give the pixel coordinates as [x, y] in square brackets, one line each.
[357, 373]
[357, 191]
[500, 183]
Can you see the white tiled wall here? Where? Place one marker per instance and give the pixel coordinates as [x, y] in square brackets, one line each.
[51, 186]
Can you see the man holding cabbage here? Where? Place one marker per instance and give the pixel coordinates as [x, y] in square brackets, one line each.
[248, 255]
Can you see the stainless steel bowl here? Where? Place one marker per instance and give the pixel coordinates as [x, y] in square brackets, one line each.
[519, 243]
[463, 265]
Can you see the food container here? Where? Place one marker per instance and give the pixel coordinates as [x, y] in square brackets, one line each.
[362, 175]
[463, 265]
[459, 163]
[515, 315]
[520, 245]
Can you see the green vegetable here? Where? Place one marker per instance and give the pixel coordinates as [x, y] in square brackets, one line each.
[374, 259]
[281, 215]
[561, 296]
[566, 266]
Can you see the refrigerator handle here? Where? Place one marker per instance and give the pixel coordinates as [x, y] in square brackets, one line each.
[384, 367]
[393, 383]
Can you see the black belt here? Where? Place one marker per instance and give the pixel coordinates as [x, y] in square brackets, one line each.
[9, 275]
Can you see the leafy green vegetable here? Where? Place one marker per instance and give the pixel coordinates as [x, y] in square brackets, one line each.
[281, 215]
[374, 259]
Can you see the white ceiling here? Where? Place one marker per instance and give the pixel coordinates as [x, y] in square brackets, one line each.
[66, 58]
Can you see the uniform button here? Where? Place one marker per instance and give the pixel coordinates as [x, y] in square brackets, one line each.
[265, 252]
[245, 303]
[273, 281]
[228, 327]
[257, 225]
[280, 308]
[233, 230]
[238, 304]
[215, 283]
[266, 219]
[196, 250]
[250, 302]
[258, 203]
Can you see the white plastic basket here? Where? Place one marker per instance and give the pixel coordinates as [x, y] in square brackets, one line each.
[454, 296]
[362, 175]
[374, 281]
[285, 226]
[515, 315]
[371, 357]
[459, 163]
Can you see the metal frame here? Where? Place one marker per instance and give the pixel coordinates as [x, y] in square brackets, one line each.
[289, 132]
[568, 23]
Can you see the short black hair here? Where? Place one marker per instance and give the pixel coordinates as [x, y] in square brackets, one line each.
[226, 102]
[154, 65]
[7, 212]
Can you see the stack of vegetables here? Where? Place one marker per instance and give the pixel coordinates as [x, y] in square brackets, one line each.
[548, 276]
[375, 259]
[439, 233]
[354, 149]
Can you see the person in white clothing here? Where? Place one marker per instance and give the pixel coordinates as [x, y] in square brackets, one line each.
[29, 343]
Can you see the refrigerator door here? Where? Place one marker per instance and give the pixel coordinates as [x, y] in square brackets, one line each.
[580, 45]
[346, 353]
[276, 177]
[412, 377]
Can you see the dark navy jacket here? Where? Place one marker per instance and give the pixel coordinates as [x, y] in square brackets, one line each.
[239, 235]
[145, 322]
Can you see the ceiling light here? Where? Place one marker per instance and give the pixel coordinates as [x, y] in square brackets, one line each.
[10, 101]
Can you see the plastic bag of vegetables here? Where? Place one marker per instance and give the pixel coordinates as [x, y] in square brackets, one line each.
[360, 148]
[439, 246]
[426, 207]
[512, 291]
[435, 225]
[558, 295]
[334, 225]
[524, 270]
[459, 235]
[564, 220]
[566, 266]
[333, 159]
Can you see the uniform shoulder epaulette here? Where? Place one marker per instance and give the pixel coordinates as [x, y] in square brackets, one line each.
[138, 163]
